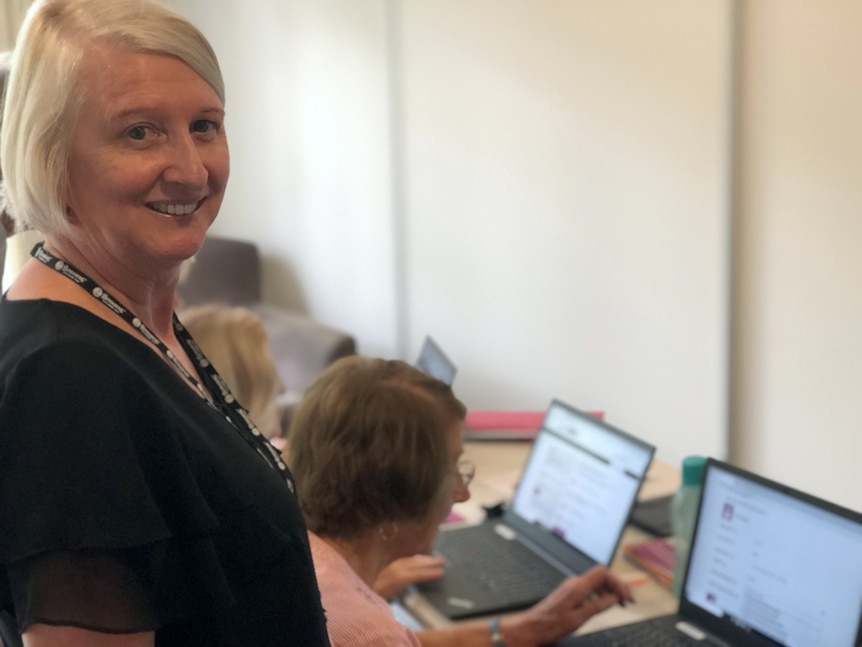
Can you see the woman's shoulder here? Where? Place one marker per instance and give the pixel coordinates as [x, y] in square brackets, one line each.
[68, 373]
[356, 616]
[352, 624]
[43, 327]
[47, 314]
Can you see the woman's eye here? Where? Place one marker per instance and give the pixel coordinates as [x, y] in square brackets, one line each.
[204, 126]
[138, 132]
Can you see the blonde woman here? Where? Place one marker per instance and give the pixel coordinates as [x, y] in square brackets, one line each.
[139, 504]
[235, 341]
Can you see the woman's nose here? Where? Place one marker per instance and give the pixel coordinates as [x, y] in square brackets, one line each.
[461, 491]
[186, 164]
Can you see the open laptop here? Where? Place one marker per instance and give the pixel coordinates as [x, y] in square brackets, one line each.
[768, 566]
[433, 361]
[568, 514]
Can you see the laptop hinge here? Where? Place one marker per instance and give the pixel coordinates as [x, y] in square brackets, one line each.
[510, 534]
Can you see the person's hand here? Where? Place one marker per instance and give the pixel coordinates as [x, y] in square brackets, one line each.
[408, 570]
[565, 608]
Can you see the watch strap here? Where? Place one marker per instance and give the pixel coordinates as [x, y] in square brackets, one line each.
[496, 636]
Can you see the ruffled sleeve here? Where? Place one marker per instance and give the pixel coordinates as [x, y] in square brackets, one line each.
[104, 524]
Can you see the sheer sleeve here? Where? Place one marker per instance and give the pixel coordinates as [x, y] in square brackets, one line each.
[104, 524]
[92, 590]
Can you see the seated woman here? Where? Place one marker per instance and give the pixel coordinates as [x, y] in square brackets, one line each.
[374, 448]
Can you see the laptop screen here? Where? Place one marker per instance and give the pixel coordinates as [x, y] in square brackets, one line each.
[775, 562]
[581, 480]
[433, 361]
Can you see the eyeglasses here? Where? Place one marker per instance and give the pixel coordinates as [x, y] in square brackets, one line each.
[466, 471]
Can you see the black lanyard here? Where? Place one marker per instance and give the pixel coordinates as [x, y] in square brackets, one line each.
[226, 404]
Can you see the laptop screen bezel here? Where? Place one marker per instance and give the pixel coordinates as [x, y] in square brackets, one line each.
[691, 611]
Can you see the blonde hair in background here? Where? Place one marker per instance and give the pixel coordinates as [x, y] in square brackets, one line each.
[5, 60]
[235, 341]
[43, 97]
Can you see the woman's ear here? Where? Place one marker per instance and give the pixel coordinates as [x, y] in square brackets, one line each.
[388, 530]
[71, 216]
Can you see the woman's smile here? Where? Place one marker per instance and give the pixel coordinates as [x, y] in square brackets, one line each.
[175, 208]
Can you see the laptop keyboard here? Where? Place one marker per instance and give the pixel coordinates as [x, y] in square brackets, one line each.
[505, 568]
[659, 632]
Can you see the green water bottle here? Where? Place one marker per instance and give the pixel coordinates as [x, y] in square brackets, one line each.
[683, 515]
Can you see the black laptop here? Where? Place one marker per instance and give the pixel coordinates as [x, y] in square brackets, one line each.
[433, 361]
[768, 566]
[568, 514]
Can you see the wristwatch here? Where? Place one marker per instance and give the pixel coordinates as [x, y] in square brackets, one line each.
[496, 636]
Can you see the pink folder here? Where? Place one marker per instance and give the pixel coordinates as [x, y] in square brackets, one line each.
[506, 425]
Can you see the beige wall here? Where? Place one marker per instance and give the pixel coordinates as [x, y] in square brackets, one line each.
[798, 348]
[12, 13]
[307, 119]
[565, 205]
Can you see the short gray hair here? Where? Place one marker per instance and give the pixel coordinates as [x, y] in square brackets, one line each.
[368, 444]
[43, 97]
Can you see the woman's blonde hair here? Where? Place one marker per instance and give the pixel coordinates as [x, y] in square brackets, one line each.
[235, 341]
[369, 443]
[4, 77]
[44, 96]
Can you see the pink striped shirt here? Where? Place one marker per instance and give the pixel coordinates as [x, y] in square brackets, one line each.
[355, 615]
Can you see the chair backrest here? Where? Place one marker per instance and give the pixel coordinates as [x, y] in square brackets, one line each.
[226, 271]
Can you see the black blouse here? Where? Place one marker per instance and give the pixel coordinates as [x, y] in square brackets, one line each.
[129, 504]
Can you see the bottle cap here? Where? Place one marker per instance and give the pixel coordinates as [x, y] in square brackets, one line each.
[692, 470]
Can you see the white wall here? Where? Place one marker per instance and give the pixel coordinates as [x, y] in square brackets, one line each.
[307, 119]
[566, 206]
[798, 356]
[549, 195]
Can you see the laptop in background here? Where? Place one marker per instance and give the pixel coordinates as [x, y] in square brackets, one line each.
[433, 361]
[568, 514]
[768, 566]
[480, 425]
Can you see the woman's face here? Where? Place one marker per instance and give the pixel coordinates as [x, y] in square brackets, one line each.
[149, 158]
[419, 537]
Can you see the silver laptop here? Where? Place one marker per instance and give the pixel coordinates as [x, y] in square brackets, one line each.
[433, 361]
[768, 566]
[568, 514]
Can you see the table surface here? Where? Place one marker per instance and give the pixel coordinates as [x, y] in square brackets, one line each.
[498, 467]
